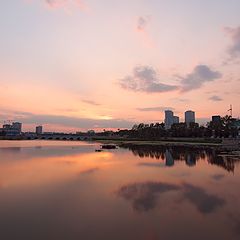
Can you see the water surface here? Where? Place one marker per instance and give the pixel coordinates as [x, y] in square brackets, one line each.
[65, 190]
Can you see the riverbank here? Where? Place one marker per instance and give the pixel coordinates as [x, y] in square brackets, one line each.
[219, 147]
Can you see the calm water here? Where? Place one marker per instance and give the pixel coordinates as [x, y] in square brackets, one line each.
[66, 190]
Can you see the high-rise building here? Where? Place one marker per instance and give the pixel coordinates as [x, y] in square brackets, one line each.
[169, 119]
[175, 119]
[39, 130]
[189, 117]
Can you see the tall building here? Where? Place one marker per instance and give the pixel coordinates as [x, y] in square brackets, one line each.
[39, 130]
[175, 119]
[189, 117]
[169, 119]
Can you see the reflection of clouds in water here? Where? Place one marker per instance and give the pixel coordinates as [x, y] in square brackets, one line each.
[151, 164]
[235, 218]
[143, 196]
[89, 171]
[217, 177]
[204, 202]
[27, 153]
[181, 174]
[68, 162]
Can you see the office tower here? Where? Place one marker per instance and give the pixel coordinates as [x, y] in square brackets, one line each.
[175, 119]
[169, 119]
[189, 117]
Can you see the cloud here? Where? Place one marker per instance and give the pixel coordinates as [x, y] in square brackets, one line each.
[155, 109]
[142, 22]
[180, 100]
[145, 79]
[91, 102]
[200, 75]
[215, 98]
[70, 110]
[66, 3]
[67, 121]
[234, 33]
[56, 3]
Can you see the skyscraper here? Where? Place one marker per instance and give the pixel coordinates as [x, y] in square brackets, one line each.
[169, 119]
[175, 119]
[189, 117]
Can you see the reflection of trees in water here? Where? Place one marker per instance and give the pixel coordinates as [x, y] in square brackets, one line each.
[178, 153]
[227, 163]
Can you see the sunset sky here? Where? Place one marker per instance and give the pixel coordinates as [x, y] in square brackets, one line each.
[76, 65]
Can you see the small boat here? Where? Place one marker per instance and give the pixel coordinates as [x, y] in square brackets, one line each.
[98, 150]
[108, 146]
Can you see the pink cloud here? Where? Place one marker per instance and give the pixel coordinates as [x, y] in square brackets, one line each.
[66, 4]
[234, 33]
[141, 28]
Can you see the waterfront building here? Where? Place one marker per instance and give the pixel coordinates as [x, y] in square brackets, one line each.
[17, 126]
[189, 117]
[13, 129]
[39, 130]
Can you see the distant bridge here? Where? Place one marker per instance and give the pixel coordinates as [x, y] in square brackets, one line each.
[63, 137]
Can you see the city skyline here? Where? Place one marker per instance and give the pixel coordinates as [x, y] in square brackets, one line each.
[78, 65]
[170, 118]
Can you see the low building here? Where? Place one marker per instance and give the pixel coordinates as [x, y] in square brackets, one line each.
[12, 130]
[39, 130]
[216, 119]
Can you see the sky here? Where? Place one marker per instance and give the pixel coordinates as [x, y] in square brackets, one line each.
[74, 65]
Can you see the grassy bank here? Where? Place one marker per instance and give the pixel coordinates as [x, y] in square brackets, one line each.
[157, 143]
[163, 141]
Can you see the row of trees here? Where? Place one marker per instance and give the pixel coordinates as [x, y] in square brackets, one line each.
[225, 127]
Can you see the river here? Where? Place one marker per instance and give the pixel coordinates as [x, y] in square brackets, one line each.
[65, 190]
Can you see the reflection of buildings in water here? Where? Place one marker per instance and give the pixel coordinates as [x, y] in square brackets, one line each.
[169, 158]
[179, 153]
[10, 149]
[190, 159]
